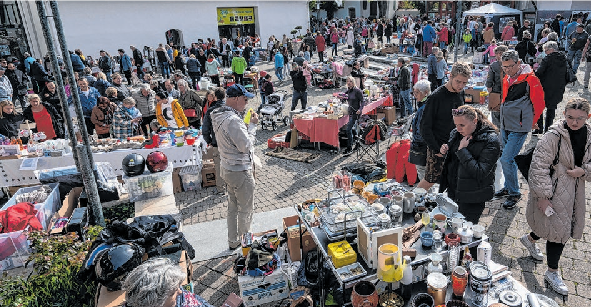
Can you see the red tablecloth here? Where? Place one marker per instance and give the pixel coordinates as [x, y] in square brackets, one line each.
[385, 101]
[322, 129]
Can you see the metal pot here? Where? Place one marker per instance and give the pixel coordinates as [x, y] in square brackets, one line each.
[364, 295]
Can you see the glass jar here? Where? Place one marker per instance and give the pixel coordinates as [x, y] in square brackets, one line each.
[459, 281]
[437, 240]
[396, 215]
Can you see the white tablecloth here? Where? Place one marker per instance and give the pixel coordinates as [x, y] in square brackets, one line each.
[11, 175]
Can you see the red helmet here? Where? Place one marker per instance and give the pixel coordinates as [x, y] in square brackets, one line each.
[156, 161]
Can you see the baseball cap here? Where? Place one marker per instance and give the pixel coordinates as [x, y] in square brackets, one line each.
[238, 90]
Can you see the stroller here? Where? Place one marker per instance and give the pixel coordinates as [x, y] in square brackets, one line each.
[272, 109]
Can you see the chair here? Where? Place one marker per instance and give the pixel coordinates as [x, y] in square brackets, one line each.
[367, 140]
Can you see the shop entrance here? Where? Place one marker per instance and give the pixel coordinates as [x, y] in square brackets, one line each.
[231, 32]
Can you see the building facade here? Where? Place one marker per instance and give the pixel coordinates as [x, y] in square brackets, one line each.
[110, 25]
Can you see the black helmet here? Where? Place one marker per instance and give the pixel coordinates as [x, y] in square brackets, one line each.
[114, 264]
[133, 164]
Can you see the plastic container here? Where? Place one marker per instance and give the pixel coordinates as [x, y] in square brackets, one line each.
[46, 208]
[15, 250]
[191, 177]
[341, 253]
[150, 185]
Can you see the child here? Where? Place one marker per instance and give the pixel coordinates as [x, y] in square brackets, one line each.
[441, 67]
[467, 38]
[135, 114]
[490, 51]
[261, 80]
[306, 71]
[266, 90]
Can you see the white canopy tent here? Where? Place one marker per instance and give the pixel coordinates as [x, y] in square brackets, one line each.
[493, 9]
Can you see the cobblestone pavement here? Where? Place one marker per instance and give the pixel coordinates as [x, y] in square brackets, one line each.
[282, 183]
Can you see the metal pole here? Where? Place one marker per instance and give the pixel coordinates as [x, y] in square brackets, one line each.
[82, 153]
[58, 79]
[68, 63]
[458, 29]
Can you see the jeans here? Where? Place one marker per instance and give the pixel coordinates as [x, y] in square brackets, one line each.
[442, 45]
[574, 57]
[165, 70]
[388, 39]
[587, 74]
[466, 45]
[496, 119]
[279, 73]
[108, 75]
[321, 56]
[553, 251]
[297, 95]
[195, 76]
[486, 55]
[405, 103]
[334, 49]
[140, 72]
[352, 119]
[513, 142]
[241, 187]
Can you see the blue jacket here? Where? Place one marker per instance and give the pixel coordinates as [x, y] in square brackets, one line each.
[77, 64]
[28, 62]
[87, 102]
[125, 62]
[193, 65]
[278, 60]
[432, 64]
[429, 33]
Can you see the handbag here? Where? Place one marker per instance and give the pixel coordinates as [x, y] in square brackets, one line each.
[523, 162]
[190, 113]
[494, 102]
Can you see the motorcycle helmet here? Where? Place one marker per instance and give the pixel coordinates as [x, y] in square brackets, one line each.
[114, 264]
[156, 161]
[133, 164]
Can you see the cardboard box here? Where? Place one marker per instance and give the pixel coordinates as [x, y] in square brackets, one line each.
[390, 115]
[208, 155]
[233, 300]
[474, 93]
[290, 224]
[208, 174]
[263, 289]
[177, 185]
[68, 205]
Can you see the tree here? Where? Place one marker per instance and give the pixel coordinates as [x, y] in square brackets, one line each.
[330, 7]
[409, 5]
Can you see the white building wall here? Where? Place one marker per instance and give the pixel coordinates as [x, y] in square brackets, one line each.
[110, 25]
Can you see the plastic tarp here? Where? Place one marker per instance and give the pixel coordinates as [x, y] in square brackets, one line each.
[492, 9]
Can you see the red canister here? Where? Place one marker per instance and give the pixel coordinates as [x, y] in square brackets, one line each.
[459, 281]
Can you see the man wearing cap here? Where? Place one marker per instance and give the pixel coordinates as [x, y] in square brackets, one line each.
[235, 141]
[578, 40]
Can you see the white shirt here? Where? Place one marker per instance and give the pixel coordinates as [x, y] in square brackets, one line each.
[168, 115]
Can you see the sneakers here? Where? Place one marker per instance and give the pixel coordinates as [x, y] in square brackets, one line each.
[511, 202]
[555, 281]
[533, 249]
[501, 193]
[348, 152]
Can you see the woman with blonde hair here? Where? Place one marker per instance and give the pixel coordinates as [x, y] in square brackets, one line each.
[9, 120]
[556, 209]
[101, 84]
[471, 156]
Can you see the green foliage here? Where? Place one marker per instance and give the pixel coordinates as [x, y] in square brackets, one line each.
[120, 212]
[53, 282]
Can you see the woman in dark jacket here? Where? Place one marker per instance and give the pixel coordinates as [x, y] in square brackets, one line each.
[471, 156]
[9, 120]
[194, 69]
[552, 75]
[39, 110]
[526, 47]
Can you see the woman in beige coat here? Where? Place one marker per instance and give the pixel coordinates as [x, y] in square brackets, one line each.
[556, 207]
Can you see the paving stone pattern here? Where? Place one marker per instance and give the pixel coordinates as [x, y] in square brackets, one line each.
[283, 183]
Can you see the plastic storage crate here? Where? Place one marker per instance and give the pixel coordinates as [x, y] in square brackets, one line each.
[46, 209]
[150, 185]
[14, 246]
[191, 177]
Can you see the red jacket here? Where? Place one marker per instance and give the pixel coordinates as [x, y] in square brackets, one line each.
[320, 43]
[442, 35]
[536, 91]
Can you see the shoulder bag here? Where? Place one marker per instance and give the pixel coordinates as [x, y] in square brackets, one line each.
[523, 162]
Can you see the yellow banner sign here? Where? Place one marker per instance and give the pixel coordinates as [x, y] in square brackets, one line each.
[235, 16]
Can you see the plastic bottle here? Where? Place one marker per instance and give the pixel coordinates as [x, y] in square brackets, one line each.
[406, 281]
